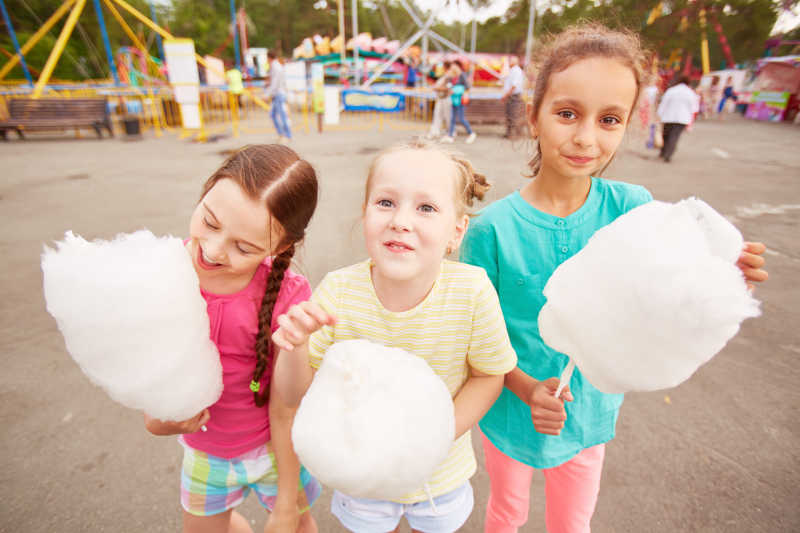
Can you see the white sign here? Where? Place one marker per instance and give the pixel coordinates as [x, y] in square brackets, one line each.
[331, 104]
[215, 71]
[295, 72]
[185, 80]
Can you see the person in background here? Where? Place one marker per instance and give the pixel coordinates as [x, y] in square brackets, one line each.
[442, 107]
[727, 94]
[513, 85]
[277, 92]
[235, 86]
[676, 110]
[459, 99]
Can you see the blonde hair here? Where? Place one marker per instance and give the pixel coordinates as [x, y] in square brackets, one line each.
[582, 42]
[470, 184]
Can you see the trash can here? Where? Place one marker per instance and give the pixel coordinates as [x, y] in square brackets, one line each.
[132, 128]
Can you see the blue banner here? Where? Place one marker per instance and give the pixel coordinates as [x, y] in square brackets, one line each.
[358, 100]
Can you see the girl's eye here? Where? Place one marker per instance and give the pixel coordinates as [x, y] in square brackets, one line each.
[427, 208]
[566, 114]
[245, 252]
[384, 203]
[611, 120]
[209, 224]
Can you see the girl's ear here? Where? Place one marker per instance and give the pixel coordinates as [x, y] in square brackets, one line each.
[531, 120]
[461, 229]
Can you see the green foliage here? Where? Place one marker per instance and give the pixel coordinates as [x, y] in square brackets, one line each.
[282, 25]
[84, 55]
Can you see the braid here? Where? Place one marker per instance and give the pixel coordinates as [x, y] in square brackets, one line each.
[263, 340]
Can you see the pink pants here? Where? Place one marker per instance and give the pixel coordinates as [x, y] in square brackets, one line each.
[570, 491]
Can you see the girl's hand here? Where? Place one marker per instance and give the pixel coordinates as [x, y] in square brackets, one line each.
[298, 323]
[168, 427]
[750, 263]
[283, 519]
[547, 411]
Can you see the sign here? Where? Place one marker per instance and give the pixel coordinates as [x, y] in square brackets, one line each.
[331, 105]
[768, 105]
[185, 80]
[215, 71]
[359, 100]
[295, 72]
[317, 88]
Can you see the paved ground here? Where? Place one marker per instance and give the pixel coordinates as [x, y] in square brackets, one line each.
[721, 453]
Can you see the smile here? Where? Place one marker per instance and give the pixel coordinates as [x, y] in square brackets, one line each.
[204, 261]
[578, 160]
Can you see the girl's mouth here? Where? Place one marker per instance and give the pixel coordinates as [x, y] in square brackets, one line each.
[204, 262]
[579, 160]
[397, 246]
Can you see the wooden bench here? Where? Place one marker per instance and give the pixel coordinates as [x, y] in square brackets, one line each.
[27, 114]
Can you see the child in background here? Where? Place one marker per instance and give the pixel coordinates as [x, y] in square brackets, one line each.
[252, 214]
[406, 295]
[459, 98]
[588, 84]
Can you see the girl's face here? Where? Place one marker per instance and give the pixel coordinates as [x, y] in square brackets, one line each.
[229, 237]
[583, 116]
[411, 217]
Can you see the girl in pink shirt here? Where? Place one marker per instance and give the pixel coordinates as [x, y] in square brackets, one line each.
[252, 214]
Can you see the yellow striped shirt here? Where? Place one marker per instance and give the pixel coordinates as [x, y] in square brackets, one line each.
[458, 325]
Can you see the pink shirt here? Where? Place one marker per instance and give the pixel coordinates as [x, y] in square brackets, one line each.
[236, 425]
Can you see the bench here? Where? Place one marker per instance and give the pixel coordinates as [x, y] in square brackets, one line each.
[26, 114]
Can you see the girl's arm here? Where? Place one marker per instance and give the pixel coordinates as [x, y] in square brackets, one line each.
[475, 398]
[169, 427]
[293, 373]
[285, 515]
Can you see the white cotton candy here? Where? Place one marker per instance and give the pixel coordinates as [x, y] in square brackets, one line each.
[376, 421]
[133, 318]
[650, 298]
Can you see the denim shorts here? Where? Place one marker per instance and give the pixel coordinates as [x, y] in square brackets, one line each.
[363, 515]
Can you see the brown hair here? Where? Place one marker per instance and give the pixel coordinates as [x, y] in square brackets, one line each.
[470, 184]
[582, 42]
[287, 185]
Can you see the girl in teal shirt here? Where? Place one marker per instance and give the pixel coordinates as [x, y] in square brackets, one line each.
[587, 85]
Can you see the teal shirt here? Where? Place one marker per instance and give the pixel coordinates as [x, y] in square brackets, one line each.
[520, 247]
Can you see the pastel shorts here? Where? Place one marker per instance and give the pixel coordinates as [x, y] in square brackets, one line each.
[363, 515]
[211, 485]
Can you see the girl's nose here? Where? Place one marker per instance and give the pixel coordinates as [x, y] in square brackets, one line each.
[584, 135]
[214, 251]
[400, 221]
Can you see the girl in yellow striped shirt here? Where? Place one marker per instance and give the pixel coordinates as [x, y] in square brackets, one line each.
[407, 295]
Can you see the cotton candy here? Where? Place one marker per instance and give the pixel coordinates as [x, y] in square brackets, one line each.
[133, 318]
[376, 421]
[650, 298]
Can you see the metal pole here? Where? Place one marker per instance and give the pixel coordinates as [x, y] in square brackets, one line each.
[529, 38]
[61, 42]
[235, 36]
[357, 70]
[474, 33]
[106, 43]
[158, 37]
[16, 44]
[343, 49]
[411, 40]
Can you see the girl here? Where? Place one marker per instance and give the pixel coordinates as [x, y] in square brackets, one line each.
[407, 295]
[460, 86]
[252, 214]
[588, 84]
